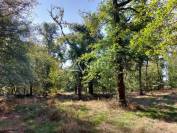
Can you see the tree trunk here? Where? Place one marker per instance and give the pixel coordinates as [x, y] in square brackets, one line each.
[121, 87]
[13, 90]
[146, 74]
[119, 58]
[158, 71]
[24, 92]
[160, 77]
[31, 89]
[90, 86]
[79, 85]
[140, 79]
[79, 88]
[75, 89]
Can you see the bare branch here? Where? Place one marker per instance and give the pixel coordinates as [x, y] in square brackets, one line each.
[58, 19]
[129, 8]
[124, 3]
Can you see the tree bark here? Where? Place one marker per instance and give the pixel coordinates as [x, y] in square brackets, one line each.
[31, 89]
[24, 92]
[79, 85]
[146, 74]
[75, 89]
[90, 86]
[140, 79]
[121, 87]
[160, 77]
[119, 58]
[79, 88]
[13, 90]
[158, 71]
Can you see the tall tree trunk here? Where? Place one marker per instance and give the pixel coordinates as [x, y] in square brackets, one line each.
[13, 90]
[146, 75]
[140, 79]
[119, 42]
[79, 85]
[158, 71]
[31, 89]
[24, 92]
[160, 76]
[90, 86]
[121, 87]
[79, 88]
[75, 89]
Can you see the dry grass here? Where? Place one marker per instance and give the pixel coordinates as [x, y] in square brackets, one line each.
[90, 116]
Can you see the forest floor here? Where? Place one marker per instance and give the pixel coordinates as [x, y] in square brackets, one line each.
[155, 112]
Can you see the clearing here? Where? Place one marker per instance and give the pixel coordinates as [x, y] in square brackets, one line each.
[154, 113]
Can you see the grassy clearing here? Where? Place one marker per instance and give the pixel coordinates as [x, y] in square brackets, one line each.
[95, 116]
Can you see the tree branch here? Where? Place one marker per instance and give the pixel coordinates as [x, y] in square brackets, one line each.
[58, 19]
[129, 8]
[124, 3]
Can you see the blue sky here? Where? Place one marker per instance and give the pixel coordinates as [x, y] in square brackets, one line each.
[40, 13]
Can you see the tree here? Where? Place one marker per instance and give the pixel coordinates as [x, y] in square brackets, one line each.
[45, 68]
[49, 33]
[15, 7]
[14, 63]
[159, 34]
[79, 40]
[118, 16]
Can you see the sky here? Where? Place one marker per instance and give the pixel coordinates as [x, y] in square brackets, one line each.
[72, 7]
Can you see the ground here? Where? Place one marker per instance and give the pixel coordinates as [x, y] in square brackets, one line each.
[155, 112]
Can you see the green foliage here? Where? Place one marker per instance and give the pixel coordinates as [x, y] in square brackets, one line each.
[45, 68]
[15, 68]
[160, 32]
[172, 71]
[111, 38]
[49, 32]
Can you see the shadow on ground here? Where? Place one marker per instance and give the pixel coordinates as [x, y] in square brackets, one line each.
[39, 116]
[85, 97]
[160, 106]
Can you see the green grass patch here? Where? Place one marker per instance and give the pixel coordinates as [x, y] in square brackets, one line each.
[46, 127]
[29, 111]
[78, 111]
[6, 123]
[168, 113]
[123, 120]
[97, 119]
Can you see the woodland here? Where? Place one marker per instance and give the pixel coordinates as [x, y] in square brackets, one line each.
[116, 72]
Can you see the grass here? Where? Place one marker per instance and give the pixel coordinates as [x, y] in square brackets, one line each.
[46, 127]
[28, 111]
[6, 123]
[99, 118]
[161, 106]
[167, 113]
[124, 120]
[94, 116]
[34, 117]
